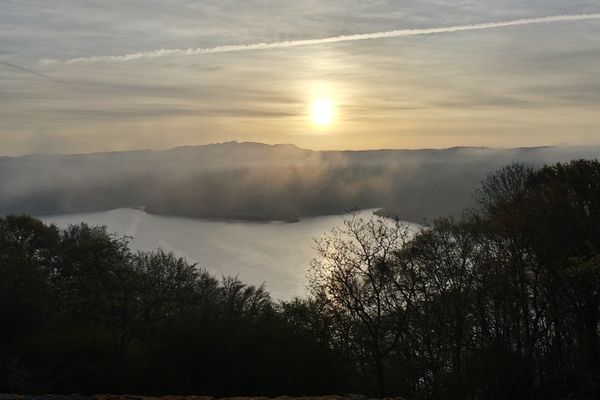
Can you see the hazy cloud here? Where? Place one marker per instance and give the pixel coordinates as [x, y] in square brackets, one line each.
[336, 39]
[531, 84]
[35, 73]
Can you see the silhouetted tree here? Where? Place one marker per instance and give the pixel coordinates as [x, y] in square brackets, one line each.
[503, 303]
[358, 275]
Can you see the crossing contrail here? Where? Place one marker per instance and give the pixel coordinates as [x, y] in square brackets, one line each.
[36, 73]
[334, 39]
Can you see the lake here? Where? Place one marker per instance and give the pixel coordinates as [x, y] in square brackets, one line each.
[276, 253]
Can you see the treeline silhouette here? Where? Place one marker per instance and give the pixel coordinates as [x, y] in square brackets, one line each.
[81, 313]
[503, 303]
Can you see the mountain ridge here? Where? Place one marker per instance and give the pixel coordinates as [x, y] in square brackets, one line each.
[293, 146]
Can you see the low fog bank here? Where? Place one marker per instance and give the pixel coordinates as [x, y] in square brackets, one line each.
[259, 181]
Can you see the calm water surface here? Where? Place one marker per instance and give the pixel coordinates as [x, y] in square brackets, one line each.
[276, 253]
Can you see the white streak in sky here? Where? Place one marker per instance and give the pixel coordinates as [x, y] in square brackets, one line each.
[335, 39]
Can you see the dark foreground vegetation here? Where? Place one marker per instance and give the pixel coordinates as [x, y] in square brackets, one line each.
[501, 304]
[175, 397]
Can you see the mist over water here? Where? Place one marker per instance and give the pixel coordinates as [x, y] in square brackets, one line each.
[256, 181]
[276, 253]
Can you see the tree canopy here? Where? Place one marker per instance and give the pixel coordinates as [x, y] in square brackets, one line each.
[503, 303]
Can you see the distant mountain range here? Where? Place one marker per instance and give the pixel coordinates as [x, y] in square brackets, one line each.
[260, 181]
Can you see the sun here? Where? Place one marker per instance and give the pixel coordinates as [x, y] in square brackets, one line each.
[322, 112]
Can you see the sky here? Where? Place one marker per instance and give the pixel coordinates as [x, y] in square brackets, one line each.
[72, 79]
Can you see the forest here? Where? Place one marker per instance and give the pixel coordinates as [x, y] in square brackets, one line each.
[502, 302]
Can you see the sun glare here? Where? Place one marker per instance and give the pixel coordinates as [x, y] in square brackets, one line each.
[322, 112]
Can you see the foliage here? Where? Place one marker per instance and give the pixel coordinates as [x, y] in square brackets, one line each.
[492, 306]
[82, 313]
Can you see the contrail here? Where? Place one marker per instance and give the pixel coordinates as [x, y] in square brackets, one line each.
[36, 73]
[334, 39]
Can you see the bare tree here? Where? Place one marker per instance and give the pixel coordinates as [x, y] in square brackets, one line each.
[360, 275]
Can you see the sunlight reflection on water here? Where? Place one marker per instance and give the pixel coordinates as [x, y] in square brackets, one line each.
[277, 253]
